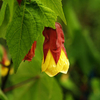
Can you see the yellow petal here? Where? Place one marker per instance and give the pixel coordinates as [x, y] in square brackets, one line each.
[63, 59]
[11, 71]
[4, 71]
[47, 61]
[7, 63]
[51, 68]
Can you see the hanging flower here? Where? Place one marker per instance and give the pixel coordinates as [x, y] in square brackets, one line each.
[5, 62]
[31, 52]
[55, 57]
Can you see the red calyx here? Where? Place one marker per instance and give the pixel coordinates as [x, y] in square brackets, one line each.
[54, 41]
[31, 52]
[4, 56]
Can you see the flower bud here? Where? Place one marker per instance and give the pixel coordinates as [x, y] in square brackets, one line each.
[6, 62]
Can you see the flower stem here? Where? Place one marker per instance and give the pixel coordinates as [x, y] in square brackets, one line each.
[6, 77]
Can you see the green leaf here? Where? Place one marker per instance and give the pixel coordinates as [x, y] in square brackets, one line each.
[31, 69]
[55, 5]
[27, 24]
[44, 88]
[11, 7]
[2, 12]
[2, 96]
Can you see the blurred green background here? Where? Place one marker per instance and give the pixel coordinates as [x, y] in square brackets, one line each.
[82, 43]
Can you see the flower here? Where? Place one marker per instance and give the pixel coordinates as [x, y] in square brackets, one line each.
[55, 57]
[31, 52]
[5, 61]
[4, 71]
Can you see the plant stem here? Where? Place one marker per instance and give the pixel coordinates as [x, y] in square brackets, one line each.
[6, 77]
[20, 84]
